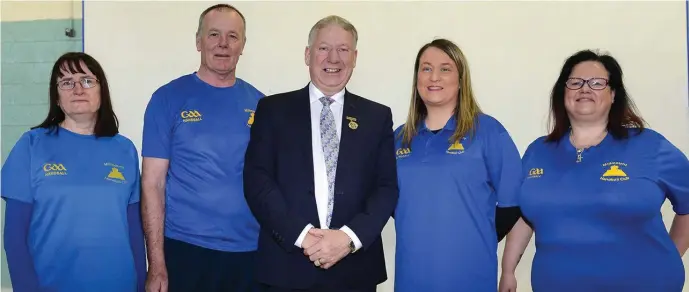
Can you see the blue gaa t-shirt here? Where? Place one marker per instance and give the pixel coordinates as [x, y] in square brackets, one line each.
[597, 222]
[445, 217]
[203, 131]
[80, 187]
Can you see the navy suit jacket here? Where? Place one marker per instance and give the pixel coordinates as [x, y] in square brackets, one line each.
[279, 188]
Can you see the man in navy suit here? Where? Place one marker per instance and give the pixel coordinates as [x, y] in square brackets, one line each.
[320, 175]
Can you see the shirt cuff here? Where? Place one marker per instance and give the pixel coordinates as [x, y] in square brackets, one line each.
[300, 239]
[352, 235]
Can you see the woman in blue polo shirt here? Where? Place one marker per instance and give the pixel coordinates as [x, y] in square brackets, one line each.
[455, 165]
[593, 191]
[71, 185]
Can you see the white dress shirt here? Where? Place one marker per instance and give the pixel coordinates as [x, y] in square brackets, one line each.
[320, 177]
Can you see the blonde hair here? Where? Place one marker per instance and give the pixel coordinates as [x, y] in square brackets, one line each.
[467, 108]
[333, 20]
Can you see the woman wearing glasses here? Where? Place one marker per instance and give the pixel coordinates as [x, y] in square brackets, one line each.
[71, 186]
[593, 191]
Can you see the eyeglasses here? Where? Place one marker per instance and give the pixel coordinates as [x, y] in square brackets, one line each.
[594, 83]
[86, 82]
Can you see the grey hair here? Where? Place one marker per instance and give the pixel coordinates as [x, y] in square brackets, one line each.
[219, 7]
[333, 20]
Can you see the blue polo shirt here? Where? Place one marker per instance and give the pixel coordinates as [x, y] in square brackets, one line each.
[80, 188]
[203, 131]
[445, 218]
[598, 225]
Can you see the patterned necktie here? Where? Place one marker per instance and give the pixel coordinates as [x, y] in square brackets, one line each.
[331, 146]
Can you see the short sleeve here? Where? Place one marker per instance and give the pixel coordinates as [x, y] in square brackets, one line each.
[260, 94]
[157, 128]
[526, 158]
[504, 166]
[673, 176]
[16, 172]
[136, 187]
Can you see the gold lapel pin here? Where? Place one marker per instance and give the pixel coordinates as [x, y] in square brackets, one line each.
[352, 123]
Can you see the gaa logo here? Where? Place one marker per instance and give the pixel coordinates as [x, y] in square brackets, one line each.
[190, 116]
[51, 169]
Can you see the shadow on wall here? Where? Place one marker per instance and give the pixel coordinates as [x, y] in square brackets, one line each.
[29, 49]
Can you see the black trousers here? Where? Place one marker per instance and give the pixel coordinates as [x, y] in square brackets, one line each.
[192, 268]
[318, 288]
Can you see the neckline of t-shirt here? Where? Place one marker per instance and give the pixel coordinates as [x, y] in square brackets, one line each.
[75, 134]
[204, 83]
[601, 144]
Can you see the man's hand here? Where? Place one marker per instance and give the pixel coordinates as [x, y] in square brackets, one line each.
[332, 247]
[157, 280]
[153, 179]
[310, 240]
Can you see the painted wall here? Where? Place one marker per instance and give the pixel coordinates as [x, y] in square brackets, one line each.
[32, 38]
[515, 50]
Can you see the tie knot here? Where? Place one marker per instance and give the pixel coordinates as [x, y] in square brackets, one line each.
[326, 101]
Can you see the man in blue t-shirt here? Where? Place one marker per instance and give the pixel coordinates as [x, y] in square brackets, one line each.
[200, 234]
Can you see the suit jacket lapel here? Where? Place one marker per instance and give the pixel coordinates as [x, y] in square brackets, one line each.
[301, 123]
[347, 140]
[302, 128]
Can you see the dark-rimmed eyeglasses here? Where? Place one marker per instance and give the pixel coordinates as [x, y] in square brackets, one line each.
[594, 83]
[86, 82]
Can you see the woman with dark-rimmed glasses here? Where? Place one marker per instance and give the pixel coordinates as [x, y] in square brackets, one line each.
[71, 184]
[593, 190]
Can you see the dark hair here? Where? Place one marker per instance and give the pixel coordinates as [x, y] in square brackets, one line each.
[219, 7]
[623, 113]
[106, 121]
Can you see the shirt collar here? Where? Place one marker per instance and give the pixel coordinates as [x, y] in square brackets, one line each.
[449, 125]
[315, 94]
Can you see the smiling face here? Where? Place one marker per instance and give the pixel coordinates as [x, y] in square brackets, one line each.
[587, 94]
[331, 59]
[437, 79]
[221, 41]
[84, 98]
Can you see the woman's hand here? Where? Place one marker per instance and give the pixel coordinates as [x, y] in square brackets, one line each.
[508, 283]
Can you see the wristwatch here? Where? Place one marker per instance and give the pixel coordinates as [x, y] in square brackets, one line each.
[352, 247]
